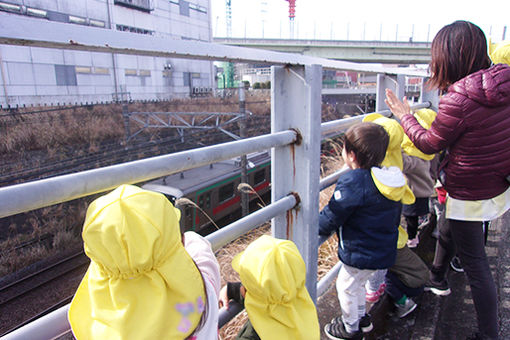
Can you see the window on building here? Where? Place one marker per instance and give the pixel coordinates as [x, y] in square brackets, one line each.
[186, 79]
[97, 23]
[7, 7]
[65, 75]
[83, 69]
[57, 16]
[142, 5]
[184, 8]
[226, 192]
[101, 70]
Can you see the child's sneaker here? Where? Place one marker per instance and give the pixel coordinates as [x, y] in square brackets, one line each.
[372, 296]
[456, 265]
[382, 288]
[405, 309]
[365, 323]
[337, 331]
[413, 243]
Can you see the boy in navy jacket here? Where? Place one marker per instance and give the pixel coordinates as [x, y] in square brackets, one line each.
[365, 213]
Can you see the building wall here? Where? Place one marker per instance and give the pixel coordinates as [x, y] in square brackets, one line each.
[38, 76]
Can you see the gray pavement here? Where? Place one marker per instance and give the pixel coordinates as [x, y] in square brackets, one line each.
[439, 318]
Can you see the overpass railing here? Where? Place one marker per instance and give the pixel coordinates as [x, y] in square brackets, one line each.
[295, 138]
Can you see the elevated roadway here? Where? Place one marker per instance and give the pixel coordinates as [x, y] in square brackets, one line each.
[389, 52]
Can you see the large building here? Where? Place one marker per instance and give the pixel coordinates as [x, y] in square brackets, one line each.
[38, 76]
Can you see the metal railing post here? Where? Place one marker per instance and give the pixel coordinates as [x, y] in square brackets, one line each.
[429, 96]
[296, 104]
[384, 81]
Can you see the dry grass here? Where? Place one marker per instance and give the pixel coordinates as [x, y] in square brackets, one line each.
[328, 250]
[55, 133]
[31, 138]
[86, 128]
[52, 131]
[327, 253]
[40, 234]
[225, 256]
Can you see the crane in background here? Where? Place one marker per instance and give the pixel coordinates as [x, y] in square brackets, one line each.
[228, 68]
[292, 15]
[228, 80]
[228, 17]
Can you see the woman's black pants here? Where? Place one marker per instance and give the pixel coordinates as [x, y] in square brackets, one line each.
[468, 239]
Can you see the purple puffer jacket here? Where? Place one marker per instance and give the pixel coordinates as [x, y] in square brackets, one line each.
[473, 123]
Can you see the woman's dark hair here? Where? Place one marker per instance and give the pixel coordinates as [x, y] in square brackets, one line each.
[458, 50]
[369, 142]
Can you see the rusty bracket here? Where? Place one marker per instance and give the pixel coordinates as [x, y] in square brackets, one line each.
[298, 199]
[299, 136]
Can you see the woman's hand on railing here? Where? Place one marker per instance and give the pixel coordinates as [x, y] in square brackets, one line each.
[397, 107]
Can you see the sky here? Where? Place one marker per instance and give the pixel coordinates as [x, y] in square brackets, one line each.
[388, 20]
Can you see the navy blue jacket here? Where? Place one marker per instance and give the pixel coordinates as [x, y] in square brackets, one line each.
[366, 222]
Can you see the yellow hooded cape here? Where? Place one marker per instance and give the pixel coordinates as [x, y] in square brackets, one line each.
[277, 302]
[141, 282]
[500, 53]
[425, 117]
[394, 152]
[391, 183]
[393, 158]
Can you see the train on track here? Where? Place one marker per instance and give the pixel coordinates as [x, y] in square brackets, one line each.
[214, 188]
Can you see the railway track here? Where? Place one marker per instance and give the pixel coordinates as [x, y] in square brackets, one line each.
[43, 276]
[40, 292]
[113, 153]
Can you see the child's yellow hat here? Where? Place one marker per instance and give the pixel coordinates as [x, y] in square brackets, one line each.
[141, 282]
[425, 117]
[500, 53]
[277, 302]
[394, 152]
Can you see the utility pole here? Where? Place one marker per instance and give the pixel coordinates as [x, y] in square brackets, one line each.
[245, 208]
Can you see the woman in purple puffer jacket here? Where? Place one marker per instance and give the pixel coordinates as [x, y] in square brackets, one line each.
[473, 125]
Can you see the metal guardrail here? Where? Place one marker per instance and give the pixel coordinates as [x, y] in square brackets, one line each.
[294, 140]
[38, 194]
[56, 322]
[26, 31]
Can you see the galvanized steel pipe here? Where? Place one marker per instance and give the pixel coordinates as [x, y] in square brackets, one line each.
[33, 195]
[240, 227]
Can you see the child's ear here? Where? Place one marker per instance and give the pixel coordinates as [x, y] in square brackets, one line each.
[352, 157]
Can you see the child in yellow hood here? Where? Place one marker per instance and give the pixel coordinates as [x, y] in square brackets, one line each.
[144, 281]
[500, 53]
[375, 285]
[417, 169]
[406, 278]
[365, 213]
[273, 291]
